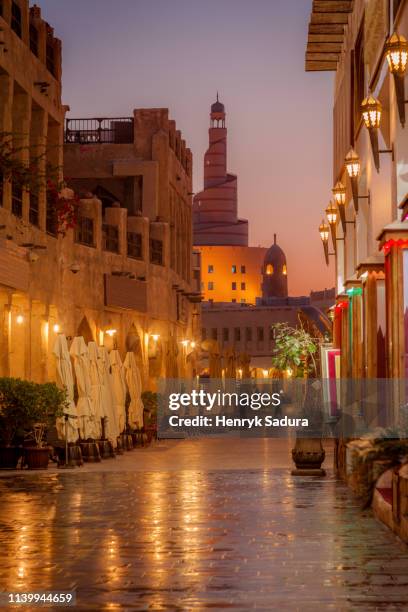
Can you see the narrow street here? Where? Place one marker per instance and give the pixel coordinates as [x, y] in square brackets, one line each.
[190, 528]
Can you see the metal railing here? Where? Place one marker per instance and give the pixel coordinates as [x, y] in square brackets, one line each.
[100, 131]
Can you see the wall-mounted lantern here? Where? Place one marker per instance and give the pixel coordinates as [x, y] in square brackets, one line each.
[371, 110]
[353, 167]
[331, 214]
[396, 52]
[339, 194]
[324, 231]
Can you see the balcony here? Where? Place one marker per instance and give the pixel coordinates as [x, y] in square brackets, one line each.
[99, 131]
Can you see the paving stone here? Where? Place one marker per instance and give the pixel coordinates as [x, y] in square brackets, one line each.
[256, 539]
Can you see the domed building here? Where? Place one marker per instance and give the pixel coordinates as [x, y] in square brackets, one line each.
[274, 273]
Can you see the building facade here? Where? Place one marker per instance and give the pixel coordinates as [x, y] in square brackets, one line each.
[124, 275]
[369, 165]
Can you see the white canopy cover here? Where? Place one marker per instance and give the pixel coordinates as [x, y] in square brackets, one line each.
[89, 426]
[134, 383]
[65, 379]
[111, 425]
[119, 388]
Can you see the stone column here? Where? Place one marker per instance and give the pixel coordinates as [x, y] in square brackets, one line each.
[21, 135]
[4, 333]
[38, 141]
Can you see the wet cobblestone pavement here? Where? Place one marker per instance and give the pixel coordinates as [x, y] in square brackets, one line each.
[190, 540]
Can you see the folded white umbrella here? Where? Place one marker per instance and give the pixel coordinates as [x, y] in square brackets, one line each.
[134, 383]
[111, 425]
[89, 426]
[96, 381]
[65, 380]
[119, 388]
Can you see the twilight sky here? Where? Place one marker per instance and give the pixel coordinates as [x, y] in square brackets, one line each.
[125, 54]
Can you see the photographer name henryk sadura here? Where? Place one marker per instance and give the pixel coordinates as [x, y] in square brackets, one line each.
[218, 400]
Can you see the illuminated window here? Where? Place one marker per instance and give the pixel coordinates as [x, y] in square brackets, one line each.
[234, 269]
[234, 286]
[243, 269]
[269, 269]
[210, 286]
[243, 286]
[210, 269]
[284, 270]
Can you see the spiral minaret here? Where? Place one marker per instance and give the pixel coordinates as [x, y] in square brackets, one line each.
[215, 209]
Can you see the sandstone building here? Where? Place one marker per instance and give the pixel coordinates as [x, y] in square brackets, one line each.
[124, 276]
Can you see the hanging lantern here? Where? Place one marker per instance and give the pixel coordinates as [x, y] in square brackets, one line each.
[353, 167]
[324, 235]
[331, 214]
[396, 52]
[371, 110]
[339, 195]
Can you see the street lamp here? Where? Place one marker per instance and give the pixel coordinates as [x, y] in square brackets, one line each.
[371, 110]
[331, 214]
[324, 235]
[396, 52]
[353, 167]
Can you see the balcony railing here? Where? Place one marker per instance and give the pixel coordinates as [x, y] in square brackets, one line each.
[99, 131]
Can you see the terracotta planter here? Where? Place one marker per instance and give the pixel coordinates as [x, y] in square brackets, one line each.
[37, 458]
[9, 456]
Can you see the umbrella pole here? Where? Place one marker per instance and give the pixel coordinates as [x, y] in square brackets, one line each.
[66, 466]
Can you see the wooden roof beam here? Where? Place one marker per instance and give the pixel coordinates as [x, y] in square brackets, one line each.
[329, 18]
[326, 28]
[320, 66]
[332, 6]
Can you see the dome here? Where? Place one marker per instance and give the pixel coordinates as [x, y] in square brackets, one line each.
[275, 256]
[217, 107]
[274, 273]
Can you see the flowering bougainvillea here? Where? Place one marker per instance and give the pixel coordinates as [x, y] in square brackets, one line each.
[65, 203]
[34, 176]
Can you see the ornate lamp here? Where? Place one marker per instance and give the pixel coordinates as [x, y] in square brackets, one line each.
[324, 235]
[396, 52]
[353, 167]
[331, 214]
[371, 110]
[339, 194]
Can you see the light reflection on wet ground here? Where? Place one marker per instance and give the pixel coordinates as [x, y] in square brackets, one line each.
[189, 540]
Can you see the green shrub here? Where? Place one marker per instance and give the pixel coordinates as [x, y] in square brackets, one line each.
[26, 407]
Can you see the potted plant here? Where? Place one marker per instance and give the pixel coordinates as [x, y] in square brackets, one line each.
[49, 403]
[17, 400]
[294, 355]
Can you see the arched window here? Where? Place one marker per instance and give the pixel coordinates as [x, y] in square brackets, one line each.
[284, 270]
[269, 269]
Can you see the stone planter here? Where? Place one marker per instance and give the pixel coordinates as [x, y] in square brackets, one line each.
[106, 449]
[126, 440]
[36, 457]
[308, 456]
[9, 456]
[90, 452]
